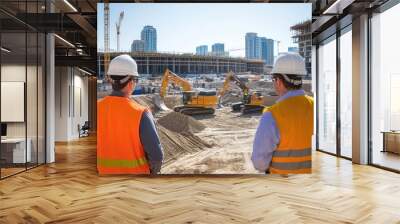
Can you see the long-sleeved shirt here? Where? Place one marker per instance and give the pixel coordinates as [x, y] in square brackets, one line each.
[149, 138]
[267, 136]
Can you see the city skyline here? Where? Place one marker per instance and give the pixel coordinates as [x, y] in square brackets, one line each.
[185, 30]
[264, 54]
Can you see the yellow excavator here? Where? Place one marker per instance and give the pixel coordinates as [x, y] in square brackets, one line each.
[194, 102]
[251, 102]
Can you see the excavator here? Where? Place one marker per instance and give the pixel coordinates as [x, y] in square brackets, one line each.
[194, 102]
[251, 102]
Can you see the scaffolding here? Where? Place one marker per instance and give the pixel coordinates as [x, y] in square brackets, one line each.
[301, 34]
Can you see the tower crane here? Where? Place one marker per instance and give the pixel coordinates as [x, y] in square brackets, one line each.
[106, 36]
[277, 45]
[118, 26]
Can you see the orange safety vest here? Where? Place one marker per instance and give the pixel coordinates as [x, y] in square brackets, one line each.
[294, 117]
[119, 149]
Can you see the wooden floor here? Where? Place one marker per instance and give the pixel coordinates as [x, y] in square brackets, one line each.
[70, 191]
[386, 159]
[5, 172]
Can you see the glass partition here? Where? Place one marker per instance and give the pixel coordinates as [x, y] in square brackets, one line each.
[327, 96]
[385, 89]
[22, 67]
[13, 103]
[346, 93]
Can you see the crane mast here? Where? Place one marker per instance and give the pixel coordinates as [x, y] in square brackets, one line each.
[106, 36]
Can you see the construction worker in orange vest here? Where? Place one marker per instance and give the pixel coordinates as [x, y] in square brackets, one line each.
[282, 142]
[127, 139]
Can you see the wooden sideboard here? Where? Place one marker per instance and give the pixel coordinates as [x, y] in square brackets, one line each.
[391, 141]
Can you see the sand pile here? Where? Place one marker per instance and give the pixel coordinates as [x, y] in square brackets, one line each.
[230, 97]
[151, 101]
[173, 101]
[147, 101]
[176, 145]
[180, 123]
[177, 137]
[260, 85]
[176, 130]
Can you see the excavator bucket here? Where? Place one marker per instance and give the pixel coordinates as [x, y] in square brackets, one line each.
[159, 102]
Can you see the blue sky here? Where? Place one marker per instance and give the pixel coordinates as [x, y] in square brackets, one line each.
[182, 27]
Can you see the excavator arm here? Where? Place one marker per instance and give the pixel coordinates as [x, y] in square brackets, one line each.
[225, 87]
[193, 102]
[175, 79]
[233, 78]
[250, 103]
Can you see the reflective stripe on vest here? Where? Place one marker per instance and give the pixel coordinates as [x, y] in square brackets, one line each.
[121, 163]
[291, 166]
[291, 159]
[293, 153]
[294, 118]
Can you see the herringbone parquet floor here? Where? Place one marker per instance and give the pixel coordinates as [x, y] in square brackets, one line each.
[70, 191]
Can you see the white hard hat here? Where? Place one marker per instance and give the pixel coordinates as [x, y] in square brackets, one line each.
[289, 64]
[123, 65]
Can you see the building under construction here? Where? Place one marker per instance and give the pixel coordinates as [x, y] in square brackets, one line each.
[154, 64]
[302, 36]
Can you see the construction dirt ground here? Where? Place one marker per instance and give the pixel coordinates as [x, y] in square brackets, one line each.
[204, 144]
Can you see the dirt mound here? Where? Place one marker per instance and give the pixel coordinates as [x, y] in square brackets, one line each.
[147, 101]
[156, 103]
[172, 101]
[230, 97]
[176, 145]
[180, 123]
[261, 85]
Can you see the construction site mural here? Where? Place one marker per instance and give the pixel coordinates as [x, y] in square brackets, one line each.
[187, 88]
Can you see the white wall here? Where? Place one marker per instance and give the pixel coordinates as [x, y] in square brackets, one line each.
[33, 127]
[81, 100]
[12, 73]
[71, 94]
[61, 103]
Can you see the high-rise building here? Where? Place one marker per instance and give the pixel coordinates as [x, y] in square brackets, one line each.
[218, 49]
[149, 36]
[202, 50]
[137, 45]
[267, 50]
[270, 52]
[264, 48]
[259, 48]
[253, 46]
